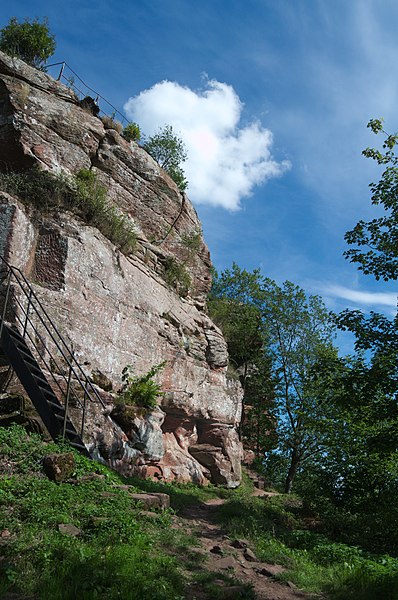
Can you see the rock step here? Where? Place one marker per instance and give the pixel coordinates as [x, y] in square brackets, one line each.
[257, 480]
[149, 500]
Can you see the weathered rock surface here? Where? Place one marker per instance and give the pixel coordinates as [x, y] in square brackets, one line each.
[114, 309]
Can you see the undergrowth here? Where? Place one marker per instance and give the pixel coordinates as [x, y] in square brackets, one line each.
[280, 533]
[140, 390]
[82, 194]
[124, 552]
[177, 276]
[120, 552]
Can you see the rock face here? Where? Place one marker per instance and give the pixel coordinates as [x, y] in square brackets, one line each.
[115, 309]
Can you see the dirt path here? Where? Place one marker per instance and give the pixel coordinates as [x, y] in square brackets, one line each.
[224, 555]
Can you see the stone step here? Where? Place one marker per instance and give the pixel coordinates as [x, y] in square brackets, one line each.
[149, 500]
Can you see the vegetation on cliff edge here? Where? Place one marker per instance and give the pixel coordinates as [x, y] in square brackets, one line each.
[82, 194]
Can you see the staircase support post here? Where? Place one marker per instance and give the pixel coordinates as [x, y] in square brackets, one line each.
[67, 401]
[3, 316]
[27, 314]
[84, 411]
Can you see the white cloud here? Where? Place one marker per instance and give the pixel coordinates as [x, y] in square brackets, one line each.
[362, 298]
[225, 162]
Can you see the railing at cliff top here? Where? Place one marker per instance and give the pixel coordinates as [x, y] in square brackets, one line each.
[21, 307]
[69, 76]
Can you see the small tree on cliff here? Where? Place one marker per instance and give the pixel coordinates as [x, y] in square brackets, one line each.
[169, 151]
[30, 40]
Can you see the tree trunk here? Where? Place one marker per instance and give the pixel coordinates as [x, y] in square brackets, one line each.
[294, 464]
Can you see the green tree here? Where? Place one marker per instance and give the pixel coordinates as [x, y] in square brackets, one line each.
[169, 151]
[259, 425]
[132, 132]
[357, 474]
[297, 332]
[376, 253]
[30, 40]
[359, 469]
[377, 240]
[275, 335]
[235, 305]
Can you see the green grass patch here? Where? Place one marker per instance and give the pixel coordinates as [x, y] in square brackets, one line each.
[277, 528]
[177, 276]
[119, 552]
[210, 583]
[81, 194]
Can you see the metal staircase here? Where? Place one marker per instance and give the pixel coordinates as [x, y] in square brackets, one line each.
[31, 344]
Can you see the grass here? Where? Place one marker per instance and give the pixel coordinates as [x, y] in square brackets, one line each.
[122, 552]
[177, 276]
[278, 530]
[119, 553]
[81, 194]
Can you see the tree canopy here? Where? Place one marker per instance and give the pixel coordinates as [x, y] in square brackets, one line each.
[275, 334]
[377, 240]
[359, 471]
[169, 151]
[30, 40]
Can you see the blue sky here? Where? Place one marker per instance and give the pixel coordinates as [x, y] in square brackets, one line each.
[292, 82]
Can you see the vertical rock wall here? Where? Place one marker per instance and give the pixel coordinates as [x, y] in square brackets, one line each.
[115, 309]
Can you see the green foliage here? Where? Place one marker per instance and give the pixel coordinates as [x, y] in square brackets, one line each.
[30, 40]
[279, 532]
[275, 335]
[234, 304]
[119, 551]
[298, 332]
[258, 430]
[82, 194]
[122, 552]
[169, 151]
[177, 276]
[141, 390]
[357, 483]
[132, 132]
[192, 242]
[379, 236]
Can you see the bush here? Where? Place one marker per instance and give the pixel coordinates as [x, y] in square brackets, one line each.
[110, 123]
[169, 151]
[82, 194]
[177, 276]
[141, 390]
[31, 41]
[132, 132]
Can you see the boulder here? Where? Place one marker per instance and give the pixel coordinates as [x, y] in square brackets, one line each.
[59, 467]
[213, 459]
[153, 500]
[142, 427]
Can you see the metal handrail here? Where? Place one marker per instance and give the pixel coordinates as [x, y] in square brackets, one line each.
[13, 275]
[14, 271]
[61, 75]
[34, 344]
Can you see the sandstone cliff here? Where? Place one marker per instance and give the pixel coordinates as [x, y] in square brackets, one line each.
[115, 309]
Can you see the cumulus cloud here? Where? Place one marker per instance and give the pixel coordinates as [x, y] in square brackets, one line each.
[362, 298]
[225, 161]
